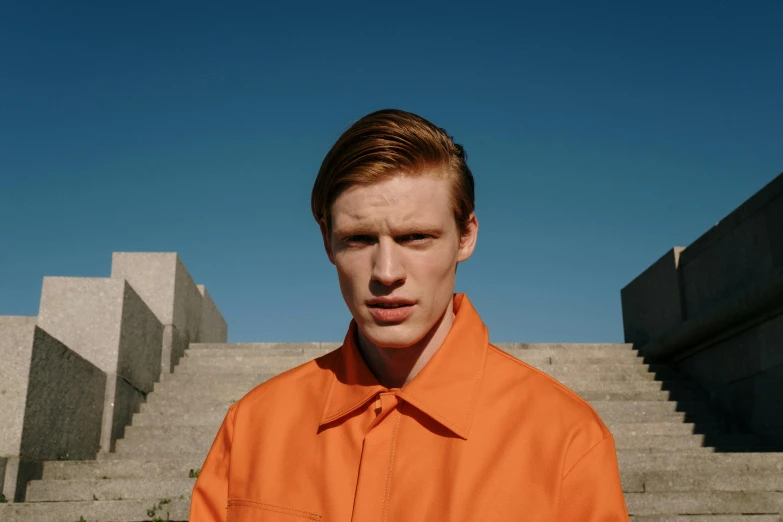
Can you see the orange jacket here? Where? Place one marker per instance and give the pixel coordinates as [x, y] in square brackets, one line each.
[477, 435]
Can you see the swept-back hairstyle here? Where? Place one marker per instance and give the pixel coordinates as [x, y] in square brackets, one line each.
[389, 142]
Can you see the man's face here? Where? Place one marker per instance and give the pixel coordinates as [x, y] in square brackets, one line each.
[397, 240]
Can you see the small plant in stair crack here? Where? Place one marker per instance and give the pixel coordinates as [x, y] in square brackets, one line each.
[153, 512]
[3, 500]
[194, 473]
[94, 497]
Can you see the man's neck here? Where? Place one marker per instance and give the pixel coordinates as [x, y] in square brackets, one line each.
[396, 367]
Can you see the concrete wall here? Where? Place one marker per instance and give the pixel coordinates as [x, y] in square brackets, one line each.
[715, 311]
[164, 283]
[51, 403]
[652, 303]
[213, 328]
[72, 377]
[106, 322]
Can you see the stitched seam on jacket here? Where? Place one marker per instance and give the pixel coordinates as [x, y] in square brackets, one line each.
[385, 511]
[585, 454]
[352, 407]
[277, 509]
[472, 394]
[554, 381]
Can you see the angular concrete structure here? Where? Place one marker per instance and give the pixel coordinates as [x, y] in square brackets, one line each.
[51, 404]
[106, 322]
[164, 283]
[213, 328]
[714, 310]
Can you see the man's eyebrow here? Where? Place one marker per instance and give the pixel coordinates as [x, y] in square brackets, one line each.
[413, 228]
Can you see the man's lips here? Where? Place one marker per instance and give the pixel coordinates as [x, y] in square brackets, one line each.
[390, 310]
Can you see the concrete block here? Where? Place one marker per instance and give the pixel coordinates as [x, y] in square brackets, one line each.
[121, 402]
[213, 327]
[173, 348]
[756, 401]
[106, 322]
[65, 397]
[166, 287]
[738, 357]
[652, 303]
[16, 351]
[741, 251]
[45, 389]
[741, 259]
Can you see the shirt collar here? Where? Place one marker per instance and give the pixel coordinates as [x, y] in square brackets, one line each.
[445, 389]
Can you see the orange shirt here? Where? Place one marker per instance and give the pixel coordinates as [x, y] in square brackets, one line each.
[477, 435]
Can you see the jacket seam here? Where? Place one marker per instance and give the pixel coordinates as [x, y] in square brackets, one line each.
[389, 467]
[584, 455]
[277, 509]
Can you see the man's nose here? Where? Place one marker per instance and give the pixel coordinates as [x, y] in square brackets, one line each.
[388, 267]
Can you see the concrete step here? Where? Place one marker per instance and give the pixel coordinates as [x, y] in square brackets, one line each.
[704, 503]
[224, 391]
[271, 348]
[271, 361]
[317, 349]
[759, 461]
[175, 510]
[691, 480]
[141, 440]
[631, 372]
[700, 479]
[632, 410]
[109, 489]
[173, 467]
[200, 379]
[215, 418]
[707, 518]
[181, 408]
[695, 480]
[534, 358]
[662, 428]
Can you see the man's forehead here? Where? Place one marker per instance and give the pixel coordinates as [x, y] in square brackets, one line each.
[402, 199]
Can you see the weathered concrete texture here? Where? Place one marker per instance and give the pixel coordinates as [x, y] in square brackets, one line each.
[741, 356]
[741, 251]
[16, 351]
[64, 398]
[51, 401]
[714, 311]
[652, 303]
[213, 327]
[106, 322]
[18, 472]
[121, 401]
[174, 346]
[165, 285]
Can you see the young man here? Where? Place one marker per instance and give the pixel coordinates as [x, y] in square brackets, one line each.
[416, 417]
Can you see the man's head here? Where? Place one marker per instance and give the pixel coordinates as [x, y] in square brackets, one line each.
[395, 202]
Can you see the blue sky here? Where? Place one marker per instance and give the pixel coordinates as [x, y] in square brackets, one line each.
[600, 134]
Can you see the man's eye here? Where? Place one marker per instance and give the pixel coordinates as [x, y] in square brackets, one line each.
[416, 238]
[358, 239]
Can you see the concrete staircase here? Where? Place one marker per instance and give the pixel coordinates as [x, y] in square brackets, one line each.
[680, 460]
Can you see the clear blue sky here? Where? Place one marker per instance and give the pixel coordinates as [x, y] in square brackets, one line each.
[600, 134]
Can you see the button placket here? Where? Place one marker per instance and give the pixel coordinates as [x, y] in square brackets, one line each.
[374, 472]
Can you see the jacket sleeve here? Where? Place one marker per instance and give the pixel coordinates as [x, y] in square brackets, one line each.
[209, 501]
[591, 490]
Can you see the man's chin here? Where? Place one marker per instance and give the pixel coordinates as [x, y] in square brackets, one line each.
[399, 335]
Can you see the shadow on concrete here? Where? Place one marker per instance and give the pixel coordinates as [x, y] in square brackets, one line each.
[722, 430]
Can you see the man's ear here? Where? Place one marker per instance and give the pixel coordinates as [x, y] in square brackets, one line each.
[327, 239]
[468, 240]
